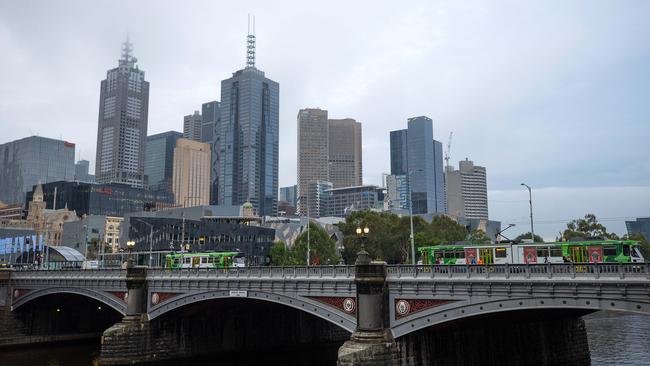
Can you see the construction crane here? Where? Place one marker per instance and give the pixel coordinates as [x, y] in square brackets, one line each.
[448, 150]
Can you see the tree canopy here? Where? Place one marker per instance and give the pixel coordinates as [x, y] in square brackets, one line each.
[585, 228]
[389, 236]
[538, 239]
[478, 236]
[322, 249]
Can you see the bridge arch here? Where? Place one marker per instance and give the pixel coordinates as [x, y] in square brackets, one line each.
[345, 321]
[100, 296]
[466, 309]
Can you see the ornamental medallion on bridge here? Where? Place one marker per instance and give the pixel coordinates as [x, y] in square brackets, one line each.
[347, 304]
[19, 293]
[405, 307]
[122, 295]
[160, 297]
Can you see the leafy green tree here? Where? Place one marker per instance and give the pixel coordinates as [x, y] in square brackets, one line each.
[444, 229]
[322, 248]
[538, 239]
[585, 228]
[280, 254]
[478, 236]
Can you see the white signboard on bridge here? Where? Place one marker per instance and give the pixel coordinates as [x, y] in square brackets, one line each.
[238, 293]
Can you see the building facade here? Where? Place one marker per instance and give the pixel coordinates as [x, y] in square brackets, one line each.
[318, 193]
[159, 162]
[467, 191]
[81, 172]
[639, 226]
[122, 126]
[397, 191]
[191, 177]
[313, 152]
[248, 139]
[102, 199]
[211, 115]
[289, 194]
[193, 126]
[345, 159]
[26, 162]
[417, 155]
[342, 201]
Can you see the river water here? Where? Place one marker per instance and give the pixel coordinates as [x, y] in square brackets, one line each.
[614, 339]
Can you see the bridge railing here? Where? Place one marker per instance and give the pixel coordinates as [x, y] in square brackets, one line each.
[71, 273]
[548, 270]
[259, 272]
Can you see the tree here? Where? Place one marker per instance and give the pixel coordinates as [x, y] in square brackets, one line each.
[445, 230]
[586, 228]
[538, 239]
[322, 248]
[478, 236]
[280, 253]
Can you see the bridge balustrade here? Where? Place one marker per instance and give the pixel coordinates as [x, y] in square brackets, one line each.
[260, 272]
[547, 270]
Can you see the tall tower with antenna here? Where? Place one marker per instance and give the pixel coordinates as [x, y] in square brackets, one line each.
[122, 125]
[248, 135]
[250, 43]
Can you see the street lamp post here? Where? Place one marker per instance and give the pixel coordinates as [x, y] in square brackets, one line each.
[530, 201]
[500, 232]
[411, 213]
[129, 245]
[362, 233]
[150, 239]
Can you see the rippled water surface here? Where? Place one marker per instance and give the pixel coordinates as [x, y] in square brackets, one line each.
[614, 339]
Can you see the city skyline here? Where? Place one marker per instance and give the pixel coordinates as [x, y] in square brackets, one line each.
[535, 75]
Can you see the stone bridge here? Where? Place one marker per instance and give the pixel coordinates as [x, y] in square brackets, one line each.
[377, 302]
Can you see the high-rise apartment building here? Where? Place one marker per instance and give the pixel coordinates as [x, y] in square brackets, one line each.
[26, 162]
[248, 138]
[193, 126]
[344, 160]
[159, 161]
[191, 177]
[122, 130]
[313, 151]
[417, 155]
[639, 226]
[467, 191]
[397, 192]
[211, 115]
[318, 198]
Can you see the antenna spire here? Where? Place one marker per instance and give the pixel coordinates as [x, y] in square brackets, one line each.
[127, 49]
[250, 44]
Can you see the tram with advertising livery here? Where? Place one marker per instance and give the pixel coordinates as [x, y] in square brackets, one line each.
[204, 260]
[599, 251]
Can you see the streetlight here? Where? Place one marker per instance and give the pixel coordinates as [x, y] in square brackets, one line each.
[411, 213]
[362, 234]
[530, 200]
[129, 245]
[150, 238]
[362, 256]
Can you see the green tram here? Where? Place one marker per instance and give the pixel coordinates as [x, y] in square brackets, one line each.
[204, 260]
[599, 251]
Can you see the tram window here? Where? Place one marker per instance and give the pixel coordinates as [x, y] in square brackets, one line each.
[500, 253]
[635, 253]
[609, 250]
[556, 252]
[176, 261]
[542, 251]
[210, 260]
[626, 250]
[460, 254]
[204, 260]
[187, 260]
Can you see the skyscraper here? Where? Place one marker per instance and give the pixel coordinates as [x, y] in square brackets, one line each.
[159, 161]
[81, 174]
[193, 126]
[417, 155]
[288, 194]
[211, 115]
[122, 130]
[26, 162]
[248, 138]
[467, 191]
[313, 152]
[191, 178]
[344, 160]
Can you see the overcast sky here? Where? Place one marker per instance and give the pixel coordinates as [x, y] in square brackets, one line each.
[552, 93]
